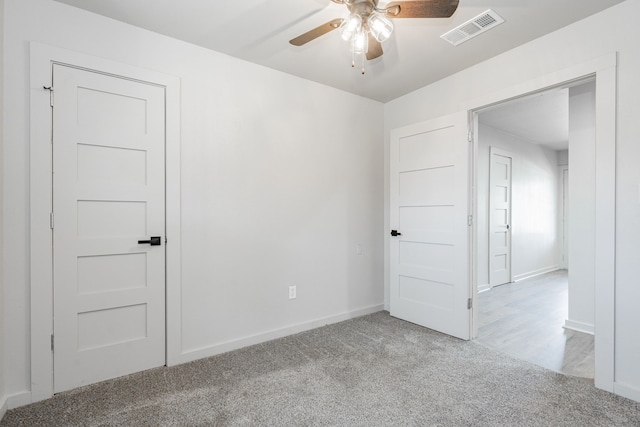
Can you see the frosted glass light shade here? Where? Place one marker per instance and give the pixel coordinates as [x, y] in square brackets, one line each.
[360, 42]
[350, 27]
[380, 26]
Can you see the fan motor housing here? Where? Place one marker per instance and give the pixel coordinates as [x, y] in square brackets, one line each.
[362, 7]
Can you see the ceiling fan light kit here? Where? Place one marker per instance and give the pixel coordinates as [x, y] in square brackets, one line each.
[380, 26]
[367, 26]
[350, 26]
[360, 42]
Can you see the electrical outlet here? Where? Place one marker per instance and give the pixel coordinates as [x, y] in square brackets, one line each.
[292, 292]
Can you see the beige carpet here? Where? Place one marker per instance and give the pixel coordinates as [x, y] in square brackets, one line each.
[370, 371]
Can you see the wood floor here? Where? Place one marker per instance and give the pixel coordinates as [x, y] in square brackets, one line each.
[525, 320]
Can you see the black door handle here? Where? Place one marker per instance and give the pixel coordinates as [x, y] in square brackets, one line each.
[395, 233]
[153, 241]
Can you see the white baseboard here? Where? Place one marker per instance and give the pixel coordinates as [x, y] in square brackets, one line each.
[3, 407]
[19, 399]
[535, 273]
[484, 288]
[627, 391]
[580, 327]
[271, 335]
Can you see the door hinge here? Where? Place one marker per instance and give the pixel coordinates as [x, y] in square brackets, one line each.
[470, 136]
[469, 303]
[50, 89]
[51, 220]
[469, 220]
[51, 342]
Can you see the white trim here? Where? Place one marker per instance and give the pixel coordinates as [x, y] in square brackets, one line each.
[274, 334]
[574, 325]
[3, 407]
[484, 288]
[534, 273]
[18, 399]
[627, 391]
[605, 71]
[472, 119]
[605, 256]
[41, 58]
[554, 79]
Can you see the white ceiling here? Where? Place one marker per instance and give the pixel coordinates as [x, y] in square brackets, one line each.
[542, 119]
[259, 30]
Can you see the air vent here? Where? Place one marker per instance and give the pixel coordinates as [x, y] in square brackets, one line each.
[473, 27]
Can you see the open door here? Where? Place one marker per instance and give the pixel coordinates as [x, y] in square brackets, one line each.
[500, 217]
[429, 243]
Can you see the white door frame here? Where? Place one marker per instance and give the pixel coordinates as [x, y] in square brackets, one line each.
[604, 70]
[41, 248]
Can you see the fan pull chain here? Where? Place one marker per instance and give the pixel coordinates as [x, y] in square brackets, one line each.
[353, 60]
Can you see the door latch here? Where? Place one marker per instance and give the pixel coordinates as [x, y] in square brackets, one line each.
[395, 233]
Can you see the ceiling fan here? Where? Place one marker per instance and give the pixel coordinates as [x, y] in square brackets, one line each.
[367, 25]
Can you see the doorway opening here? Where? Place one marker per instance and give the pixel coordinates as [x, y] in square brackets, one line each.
[530, 217]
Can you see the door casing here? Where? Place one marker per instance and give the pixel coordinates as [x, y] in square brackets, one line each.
[42, 57]
[604, 71]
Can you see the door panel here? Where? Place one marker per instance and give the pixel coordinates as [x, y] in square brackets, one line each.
[500, 217]
[108, 193]
[429, 193]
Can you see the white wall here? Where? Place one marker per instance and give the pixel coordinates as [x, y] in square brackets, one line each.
[582, 214]
[281, 180]
[534, 219]
[3, 347]
[563, 157]
[613, 30]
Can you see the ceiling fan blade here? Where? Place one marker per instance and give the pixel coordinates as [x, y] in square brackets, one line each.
[316, 32]
[422, 9]
[375, 48]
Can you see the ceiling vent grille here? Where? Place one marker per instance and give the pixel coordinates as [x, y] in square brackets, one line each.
[473, 27]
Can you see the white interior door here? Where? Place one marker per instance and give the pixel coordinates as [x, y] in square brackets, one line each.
[500, 217]
[429, 194]
[108, 193]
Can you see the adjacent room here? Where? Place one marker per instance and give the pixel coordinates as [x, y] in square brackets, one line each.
[314, 212]
[524, 239]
